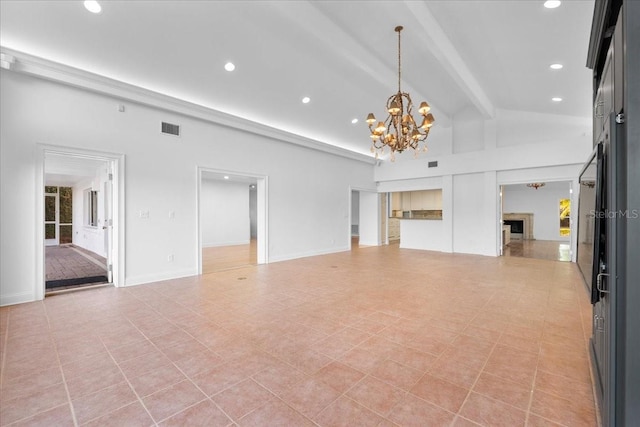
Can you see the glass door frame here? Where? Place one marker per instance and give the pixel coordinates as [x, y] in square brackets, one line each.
[56, 222]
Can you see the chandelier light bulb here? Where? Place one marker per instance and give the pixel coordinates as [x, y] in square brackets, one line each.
[424, 108]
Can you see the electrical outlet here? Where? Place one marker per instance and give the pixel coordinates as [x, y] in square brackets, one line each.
[170, 258]
[144, 214]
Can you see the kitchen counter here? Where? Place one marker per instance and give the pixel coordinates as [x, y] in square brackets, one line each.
[421, 233]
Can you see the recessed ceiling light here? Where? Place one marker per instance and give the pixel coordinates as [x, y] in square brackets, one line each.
[552, 4]
[229, 66]
[306, 100]
[556, 99]
[93, 6]
[354, 121]
[226, 177]
[556, 66]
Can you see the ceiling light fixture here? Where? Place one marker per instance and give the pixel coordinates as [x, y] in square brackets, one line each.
[556, 66]
[400, 131]
[229, 66]
[92, 6]
[306, 100]
[536, 185]
[552, 4]
[226, 177]
[556, 99]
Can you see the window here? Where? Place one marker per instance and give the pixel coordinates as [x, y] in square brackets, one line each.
[565, 217]
[91, 207]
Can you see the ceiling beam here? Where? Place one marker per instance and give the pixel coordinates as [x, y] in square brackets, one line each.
[450, 59]
[310, 17]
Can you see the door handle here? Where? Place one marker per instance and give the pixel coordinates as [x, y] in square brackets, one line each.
[598, 323]
[599, 283]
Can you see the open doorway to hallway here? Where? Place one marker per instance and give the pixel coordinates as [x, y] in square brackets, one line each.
[232, 220]
[77, 221]
[365, 228]
[536, 220]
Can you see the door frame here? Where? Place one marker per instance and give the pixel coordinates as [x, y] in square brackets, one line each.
[56, 222]
[117, 162]
[361, 190]
[574, 190]
[262, 221]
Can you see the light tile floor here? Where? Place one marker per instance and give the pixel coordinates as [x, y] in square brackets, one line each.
[379, 336]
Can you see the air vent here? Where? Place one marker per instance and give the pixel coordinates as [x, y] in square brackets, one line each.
[170, 129]
[433, 164]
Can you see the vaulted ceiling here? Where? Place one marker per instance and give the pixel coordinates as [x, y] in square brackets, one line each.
[457, 55]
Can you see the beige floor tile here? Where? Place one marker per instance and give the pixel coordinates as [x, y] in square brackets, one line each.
[324, 337]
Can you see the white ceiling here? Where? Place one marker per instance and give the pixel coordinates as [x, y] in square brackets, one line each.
[67, 170]
[342, 54]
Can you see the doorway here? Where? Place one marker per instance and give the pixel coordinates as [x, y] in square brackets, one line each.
[366, 222]
[232, 220]
[536, 220]
[79, 197]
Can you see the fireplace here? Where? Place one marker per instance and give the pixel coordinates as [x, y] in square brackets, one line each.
[516, 225]
[521, 224]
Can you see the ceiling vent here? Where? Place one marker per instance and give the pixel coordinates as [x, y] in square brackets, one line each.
[170, 129]
[433, 164]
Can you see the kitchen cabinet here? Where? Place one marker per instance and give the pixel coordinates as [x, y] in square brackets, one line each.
[418, 199]
[396, 201]
[406, 200]
[422, 200]
[426, 200]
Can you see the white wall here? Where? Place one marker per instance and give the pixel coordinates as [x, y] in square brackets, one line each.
[422, 234]
[307, 188]
[369, 218]
[543, 203]
[224, 214]
[468, 131]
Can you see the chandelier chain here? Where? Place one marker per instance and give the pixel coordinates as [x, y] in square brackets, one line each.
[399, 29]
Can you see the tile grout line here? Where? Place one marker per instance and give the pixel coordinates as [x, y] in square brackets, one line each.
[5, 345]
[64, 378]
[207, 397]
[128, 383]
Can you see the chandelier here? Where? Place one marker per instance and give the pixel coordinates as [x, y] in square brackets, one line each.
[536, 185]
[400, 131]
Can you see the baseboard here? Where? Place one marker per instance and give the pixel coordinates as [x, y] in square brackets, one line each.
[307, 254]
[234, 243]
[151, 278]
[20, 298]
